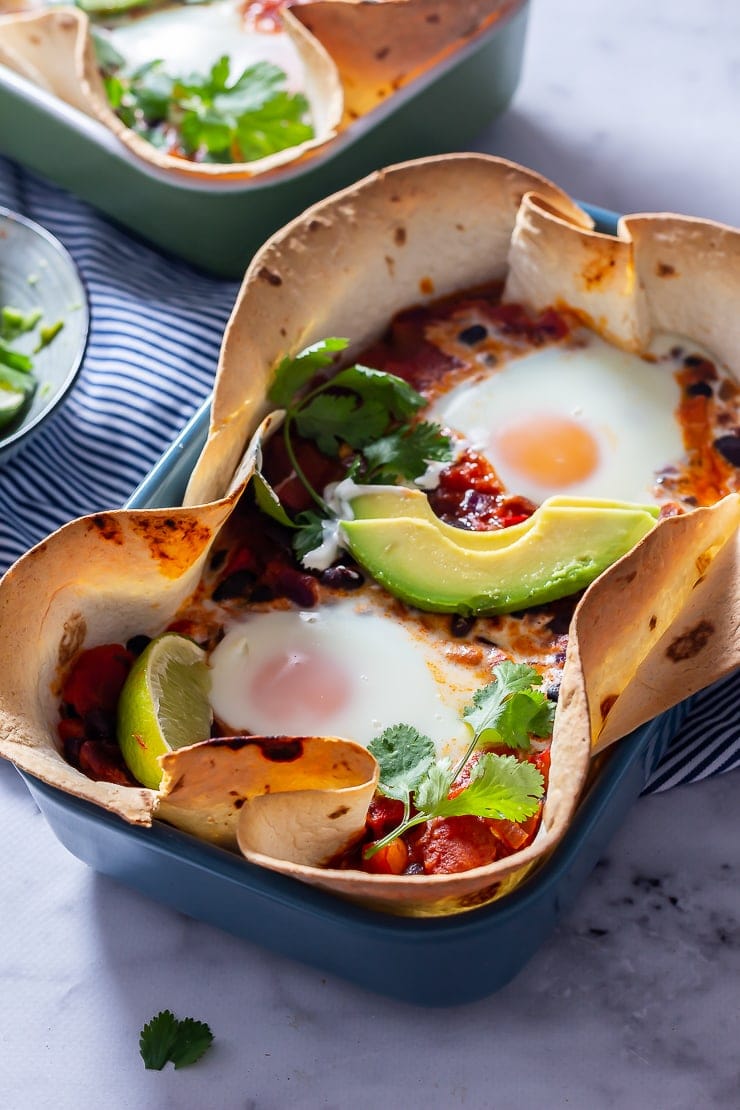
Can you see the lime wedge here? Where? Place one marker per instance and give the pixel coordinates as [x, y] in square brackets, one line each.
[163, 705]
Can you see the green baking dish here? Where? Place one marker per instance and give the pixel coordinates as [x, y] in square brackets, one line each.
[219, 225]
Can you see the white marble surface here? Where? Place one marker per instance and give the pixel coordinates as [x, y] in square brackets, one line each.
[635, 1000]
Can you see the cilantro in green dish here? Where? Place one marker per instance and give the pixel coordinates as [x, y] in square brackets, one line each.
[364, 411]
[505, 712]
[211, 117]
[165, 1038]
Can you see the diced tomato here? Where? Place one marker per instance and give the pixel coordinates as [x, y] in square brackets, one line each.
[241, 558]
[101, 760]
[451, 844]
[541, 761]
[383, 816]
[471, 496]
[96, 679]
[390, 860]
[471, 471]
[512, 834]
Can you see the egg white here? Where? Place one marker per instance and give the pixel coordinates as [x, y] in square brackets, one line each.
[626, 404]
[391, 673]
[190, 38]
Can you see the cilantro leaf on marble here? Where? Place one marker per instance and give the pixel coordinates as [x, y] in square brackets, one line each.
[165, 1038]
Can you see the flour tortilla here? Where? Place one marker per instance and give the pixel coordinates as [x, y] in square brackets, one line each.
[379, 48]
[661, 623]
[408, 234]
[320, 785]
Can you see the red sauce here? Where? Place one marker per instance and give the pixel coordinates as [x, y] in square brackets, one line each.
[264, 15]
[471, 496]
[709, 476]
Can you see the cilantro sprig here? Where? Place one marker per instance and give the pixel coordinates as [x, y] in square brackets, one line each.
[362, 411]
[165, 1038]
[505, 712]
[216, 116]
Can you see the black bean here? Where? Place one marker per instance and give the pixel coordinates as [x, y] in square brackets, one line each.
[98, 726]
[729, 448]
[217, 559]
[238, 584]
[472, 335]
[553, 691]
[699, 389]
[137, 644]
[72, 745]
[460, 626]
[262, 593]
[342, 577]
[414, 869]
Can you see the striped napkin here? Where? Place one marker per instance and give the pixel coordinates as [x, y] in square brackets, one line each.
[156, 331]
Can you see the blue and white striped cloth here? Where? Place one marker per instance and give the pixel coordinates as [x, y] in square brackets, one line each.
[156, 331]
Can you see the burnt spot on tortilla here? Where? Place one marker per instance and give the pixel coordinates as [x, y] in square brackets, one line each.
[664, 269]
[268, 275]
[691, 643]
[433, 17]
[173, 543]
[478, 897]
[382, 53]
[599, 271]
[338, 813]
[652, 622]
[278, 749]
[239, 802]
[108, 527]
[399, 236]
[426, 286]
[607, 705]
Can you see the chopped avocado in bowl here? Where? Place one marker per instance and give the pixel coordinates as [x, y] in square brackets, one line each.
[44, 322]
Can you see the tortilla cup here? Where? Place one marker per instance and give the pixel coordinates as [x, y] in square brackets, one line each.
[647, 632]
[55, 50]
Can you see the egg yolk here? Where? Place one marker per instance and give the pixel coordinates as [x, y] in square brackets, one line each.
[550, 450]
[292, 684]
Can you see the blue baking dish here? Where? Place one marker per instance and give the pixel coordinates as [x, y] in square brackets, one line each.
[386, 954]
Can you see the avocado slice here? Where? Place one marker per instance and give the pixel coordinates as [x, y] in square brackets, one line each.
[563, 550]
[392, 502]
